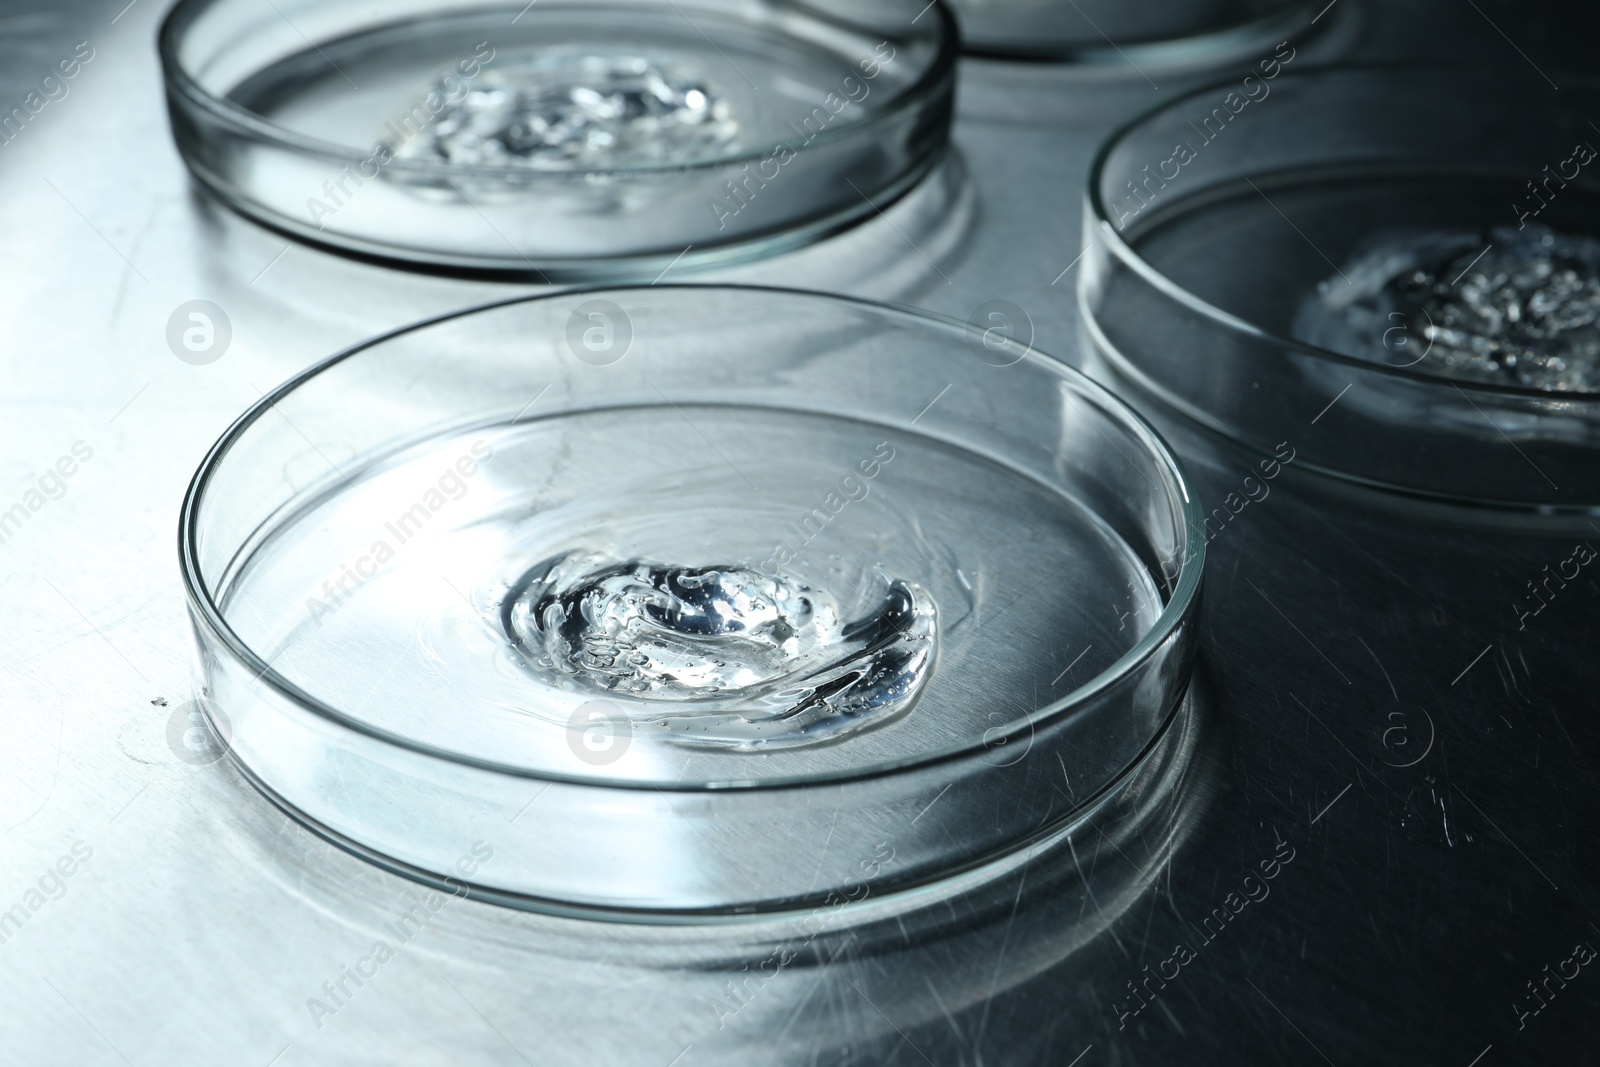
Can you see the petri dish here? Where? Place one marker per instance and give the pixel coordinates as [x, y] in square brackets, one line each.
[697, 601]
[1333, 264]
[561, 139]
[1146, 33]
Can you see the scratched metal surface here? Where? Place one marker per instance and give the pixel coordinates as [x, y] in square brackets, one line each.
[1416, 771]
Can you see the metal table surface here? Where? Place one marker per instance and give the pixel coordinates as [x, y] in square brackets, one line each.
[1415, 769]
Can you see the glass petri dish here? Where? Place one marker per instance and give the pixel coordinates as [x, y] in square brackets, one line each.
[697, 601]
[561, 139]
[1325, 263]
[1146, 33]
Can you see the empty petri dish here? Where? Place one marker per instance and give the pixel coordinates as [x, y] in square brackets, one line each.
[1145, 33]
[563, 138]
[695, 601]
[1393, 273]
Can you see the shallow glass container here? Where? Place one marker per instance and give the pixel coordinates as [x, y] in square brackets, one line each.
[376, 554]
[559, 139]
[1226, 228]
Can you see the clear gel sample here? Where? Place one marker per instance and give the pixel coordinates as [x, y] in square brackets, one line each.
[723, 655]
[1508, 306]
[563, 110]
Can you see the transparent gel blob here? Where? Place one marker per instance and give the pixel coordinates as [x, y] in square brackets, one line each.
[722, 655]
[567, 110]
[1509, 306]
